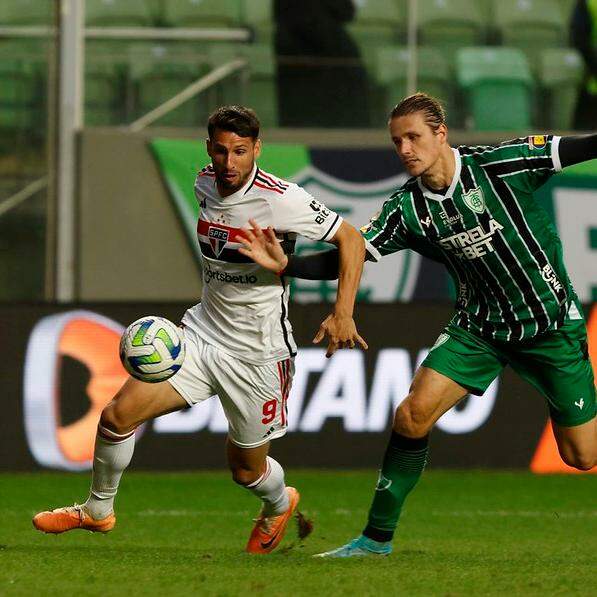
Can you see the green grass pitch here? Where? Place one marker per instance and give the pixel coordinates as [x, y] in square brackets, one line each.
[462, 533]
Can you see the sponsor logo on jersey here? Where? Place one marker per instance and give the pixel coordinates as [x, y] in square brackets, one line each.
[537, 141]
[472, 243]
[550, 277]
[220, 276]
[218, 237]
[446, 219]
[474, 200]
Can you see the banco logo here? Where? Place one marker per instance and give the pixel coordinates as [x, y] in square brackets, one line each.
[220, 276]
[472, 243]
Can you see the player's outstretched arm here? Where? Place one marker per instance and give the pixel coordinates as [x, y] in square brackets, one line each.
[339, 326]
[576, 149]
[263, 247]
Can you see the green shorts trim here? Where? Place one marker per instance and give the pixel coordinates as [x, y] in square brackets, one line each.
[556, 363]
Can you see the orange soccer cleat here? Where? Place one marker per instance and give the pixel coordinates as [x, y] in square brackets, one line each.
[269, 530]
[69, 518]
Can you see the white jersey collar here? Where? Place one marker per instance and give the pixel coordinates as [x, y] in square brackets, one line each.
[428, 194]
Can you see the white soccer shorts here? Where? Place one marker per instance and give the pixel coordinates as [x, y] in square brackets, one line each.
[254, 397]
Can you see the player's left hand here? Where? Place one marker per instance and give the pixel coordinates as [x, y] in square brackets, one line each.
[341, 332]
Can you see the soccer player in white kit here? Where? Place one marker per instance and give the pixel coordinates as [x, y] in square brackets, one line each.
[238, 338]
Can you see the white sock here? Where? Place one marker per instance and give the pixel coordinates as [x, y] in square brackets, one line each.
[113, 453]
[270, 489]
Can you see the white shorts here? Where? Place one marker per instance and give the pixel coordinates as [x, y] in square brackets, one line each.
[254, 397]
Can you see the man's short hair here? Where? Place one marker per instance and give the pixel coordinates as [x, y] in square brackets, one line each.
[235, 119]
[434, 112]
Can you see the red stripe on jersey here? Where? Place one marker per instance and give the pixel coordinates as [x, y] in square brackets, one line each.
[233, 233]
[272, 179]
[210, 174]
[268, 188]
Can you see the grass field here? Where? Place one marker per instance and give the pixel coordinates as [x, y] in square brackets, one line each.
[183, 534]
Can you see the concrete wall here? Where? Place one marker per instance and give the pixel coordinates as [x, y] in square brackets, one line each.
[131, 242]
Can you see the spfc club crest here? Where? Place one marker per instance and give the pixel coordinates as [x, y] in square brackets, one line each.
[474, 200]
[218, 237]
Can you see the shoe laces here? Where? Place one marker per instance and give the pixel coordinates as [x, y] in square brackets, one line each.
[76, 508]
[265, 523]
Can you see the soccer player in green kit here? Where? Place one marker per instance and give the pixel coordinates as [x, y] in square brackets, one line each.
[472, 209]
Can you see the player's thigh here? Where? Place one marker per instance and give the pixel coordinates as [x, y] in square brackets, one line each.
[254, 398]
[458, 364]
[137, 402]
[557, 364]
[430, 396]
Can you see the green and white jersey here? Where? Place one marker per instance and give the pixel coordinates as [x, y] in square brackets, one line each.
[498, 243]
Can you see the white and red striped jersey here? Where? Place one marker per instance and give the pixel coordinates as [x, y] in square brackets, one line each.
[244, 308]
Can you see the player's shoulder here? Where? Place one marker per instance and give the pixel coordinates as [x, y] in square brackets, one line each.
[482, 154]
[205, 177]
[404, 192]
[271, 185]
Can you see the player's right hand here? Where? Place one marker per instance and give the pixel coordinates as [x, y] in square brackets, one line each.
[263, 247]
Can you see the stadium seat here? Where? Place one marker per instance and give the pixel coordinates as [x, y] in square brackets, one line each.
[530, 25]
[259, 17]
[256, 85]
[561, 75]
[451, 24]
[104, 93]
[160, 71]
[26, 12]
[117, 13]
[498, 85]
[23, 70]
[202, 13]
[391, 74]
[378, 23]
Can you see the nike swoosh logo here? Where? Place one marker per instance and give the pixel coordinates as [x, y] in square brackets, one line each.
[269, 543]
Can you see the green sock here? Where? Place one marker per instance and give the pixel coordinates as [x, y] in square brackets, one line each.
[403, 464]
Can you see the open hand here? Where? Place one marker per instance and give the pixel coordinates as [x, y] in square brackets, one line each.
[263, 247]
[341, 332]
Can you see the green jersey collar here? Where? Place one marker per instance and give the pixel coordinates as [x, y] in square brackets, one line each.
[450, 192]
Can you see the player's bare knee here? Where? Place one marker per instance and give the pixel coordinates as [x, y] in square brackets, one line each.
[409, 422]
[112, 419]
[244, 476]
[580, 462]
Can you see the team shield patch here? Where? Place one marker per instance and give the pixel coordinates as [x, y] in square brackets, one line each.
[475, 200]
[537, 141]
[218, 237]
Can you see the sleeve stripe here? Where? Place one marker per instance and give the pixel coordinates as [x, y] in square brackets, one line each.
[555, 153]
[332, 230]
[372, 251]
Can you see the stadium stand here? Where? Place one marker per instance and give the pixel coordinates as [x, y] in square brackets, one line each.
[157, 72]
[391, 73]
[25, 12]
[560, 74]
[530, 25]
[450, 24]
[258, 16]
[23, 75]
[497, 82]
[257, 85]
[117, 13]
[378, 23]
[201, 13]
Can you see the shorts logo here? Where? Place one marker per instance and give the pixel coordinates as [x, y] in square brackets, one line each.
[474, 200]
[218, 237]
[441, 339]
[580, 404]
[537, 141]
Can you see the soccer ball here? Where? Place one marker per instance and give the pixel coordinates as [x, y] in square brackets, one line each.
[152, 349]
